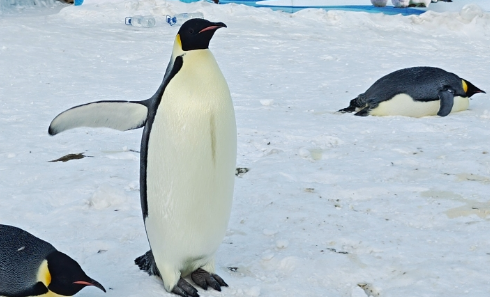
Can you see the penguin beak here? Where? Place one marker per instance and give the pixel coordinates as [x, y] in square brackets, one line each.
[214, 26]
[91, 283]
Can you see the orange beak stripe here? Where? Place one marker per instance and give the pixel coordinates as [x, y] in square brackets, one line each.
[209, 28]
[83, 283]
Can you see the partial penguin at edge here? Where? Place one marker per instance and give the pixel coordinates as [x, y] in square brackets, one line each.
[30, 266]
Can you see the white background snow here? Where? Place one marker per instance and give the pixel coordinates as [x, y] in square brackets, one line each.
[396, 205]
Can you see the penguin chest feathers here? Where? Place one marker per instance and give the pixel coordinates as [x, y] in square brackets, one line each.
[190, 165]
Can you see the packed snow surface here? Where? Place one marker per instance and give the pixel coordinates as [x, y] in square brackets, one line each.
[333, 204]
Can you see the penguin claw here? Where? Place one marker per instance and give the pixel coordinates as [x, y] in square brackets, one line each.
[203, 279]
[184, 289]
[220, 280]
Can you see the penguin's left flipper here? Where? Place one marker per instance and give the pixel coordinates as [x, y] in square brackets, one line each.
[204, 279]
[446, 96]
[119, 115]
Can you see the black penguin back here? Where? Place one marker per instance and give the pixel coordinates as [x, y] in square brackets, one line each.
[21, 255]
[421, 83]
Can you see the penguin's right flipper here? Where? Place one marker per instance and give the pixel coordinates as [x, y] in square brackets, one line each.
[119, 115]
[184, 289]
[446, 97]
[147, 263]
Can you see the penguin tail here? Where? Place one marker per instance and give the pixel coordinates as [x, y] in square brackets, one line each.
[349, 108]
[147, 263]
[358, 102]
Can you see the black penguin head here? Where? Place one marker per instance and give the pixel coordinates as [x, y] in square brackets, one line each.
[470, 88]
[195, 34]
[67, 277]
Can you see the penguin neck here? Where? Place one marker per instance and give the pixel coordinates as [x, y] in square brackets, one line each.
[177, 50]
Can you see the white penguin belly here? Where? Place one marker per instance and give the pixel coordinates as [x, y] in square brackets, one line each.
[190, 168]
[404, 105]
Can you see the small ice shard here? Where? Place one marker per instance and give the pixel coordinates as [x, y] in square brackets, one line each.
[282, 244]
[266, 102]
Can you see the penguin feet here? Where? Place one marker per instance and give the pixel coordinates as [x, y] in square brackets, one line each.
[184, 289]
[204, 279]
[363, 112]
[147, 263]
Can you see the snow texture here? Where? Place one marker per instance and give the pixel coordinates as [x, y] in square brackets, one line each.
[333, 204]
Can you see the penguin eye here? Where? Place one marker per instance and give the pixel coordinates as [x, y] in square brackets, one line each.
[191, 31]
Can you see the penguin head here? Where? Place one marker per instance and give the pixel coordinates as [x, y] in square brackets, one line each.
[470, 88]
[195, 34]
[67, 277]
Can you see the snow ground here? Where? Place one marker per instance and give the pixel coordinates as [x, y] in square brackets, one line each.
[332, 201]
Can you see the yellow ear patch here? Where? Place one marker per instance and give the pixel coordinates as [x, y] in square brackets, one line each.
[43, 274]
[465, 86]
[177, 41]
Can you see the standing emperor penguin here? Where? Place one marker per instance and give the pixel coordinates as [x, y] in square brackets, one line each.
[188, 156]
[415, 92]
[30, 266]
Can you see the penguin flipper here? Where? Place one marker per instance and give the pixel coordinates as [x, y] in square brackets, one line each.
[147, 263]
[119, 115]
[446, 97]
[37, 289]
